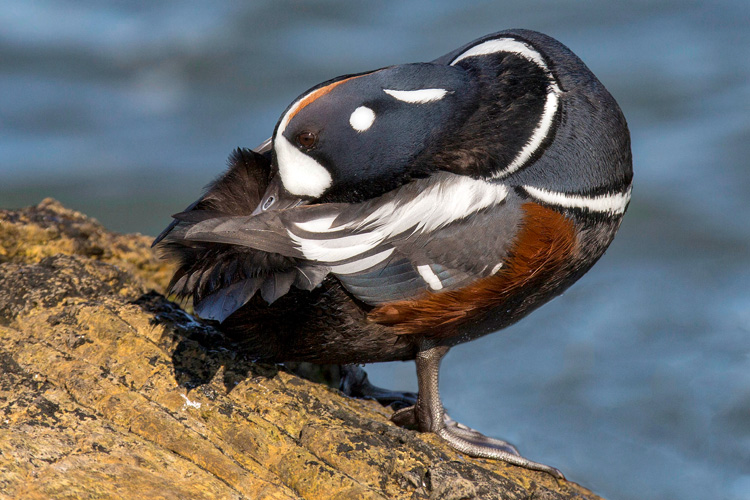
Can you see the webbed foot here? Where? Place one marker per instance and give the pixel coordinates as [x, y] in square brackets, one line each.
[428, 415]
[470, 441]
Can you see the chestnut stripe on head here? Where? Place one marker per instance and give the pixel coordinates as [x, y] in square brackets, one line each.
[545, 242]
[308, 99]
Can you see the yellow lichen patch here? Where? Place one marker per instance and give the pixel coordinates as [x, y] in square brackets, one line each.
[34, 233]
[107, 391]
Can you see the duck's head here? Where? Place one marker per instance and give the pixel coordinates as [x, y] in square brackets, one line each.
[357, 136]
[490, 110]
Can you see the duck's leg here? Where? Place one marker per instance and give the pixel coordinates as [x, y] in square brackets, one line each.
[429, 416]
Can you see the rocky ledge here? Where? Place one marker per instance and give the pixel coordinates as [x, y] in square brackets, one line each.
[108, 390]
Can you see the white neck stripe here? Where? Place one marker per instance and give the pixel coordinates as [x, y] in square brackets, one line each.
[503, 45]
[538, 136]
[551, 104]
[610, 203]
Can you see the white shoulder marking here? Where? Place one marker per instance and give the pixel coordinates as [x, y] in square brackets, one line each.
[300, 174]
[446, 198]
[551, 104]
[611, 203]
[430, 277]
[420, 96]
[362, 118]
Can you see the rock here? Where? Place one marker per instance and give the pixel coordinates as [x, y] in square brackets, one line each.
[108, 390]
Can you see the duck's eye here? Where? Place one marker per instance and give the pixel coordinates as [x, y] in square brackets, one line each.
[307, 139]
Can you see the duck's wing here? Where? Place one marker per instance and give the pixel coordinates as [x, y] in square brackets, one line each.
[433, 234]
[221, 278]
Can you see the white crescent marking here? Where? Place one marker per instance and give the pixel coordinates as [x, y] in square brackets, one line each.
[503, 45]
[420, 96]
[300, 174]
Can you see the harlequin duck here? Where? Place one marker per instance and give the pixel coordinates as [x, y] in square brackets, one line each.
[398, 212]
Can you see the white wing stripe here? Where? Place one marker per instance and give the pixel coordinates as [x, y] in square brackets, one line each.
[338, 249]
[320, 225]
[447, 198]
[612, 203]
[451, 198]
[362, 264]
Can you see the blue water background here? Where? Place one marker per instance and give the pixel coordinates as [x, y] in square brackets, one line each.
[636, 382]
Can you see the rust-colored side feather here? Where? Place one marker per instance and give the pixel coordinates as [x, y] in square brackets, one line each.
[545, 241]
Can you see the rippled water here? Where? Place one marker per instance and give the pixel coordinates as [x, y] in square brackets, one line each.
[636, 382]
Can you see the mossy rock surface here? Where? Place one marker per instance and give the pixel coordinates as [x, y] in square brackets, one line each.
[108, 390]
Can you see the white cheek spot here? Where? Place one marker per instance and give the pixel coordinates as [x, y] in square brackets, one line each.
[420, 96]
[496, 268]
[361, 119]
[300, 174]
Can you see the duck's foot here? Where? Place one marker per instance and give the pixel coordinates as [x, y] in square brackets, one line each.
[472, 442]
[406, 417]
[428, 415]
[354, 383]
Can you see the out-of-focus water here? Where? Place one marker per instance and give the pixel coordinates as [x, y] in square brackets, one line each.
[635, 383]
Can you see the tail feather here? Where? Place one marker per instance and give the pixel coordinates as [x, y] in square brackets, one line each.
[221, 304]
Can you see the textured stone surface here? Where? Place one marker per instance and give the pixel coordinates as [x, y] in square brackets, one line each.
[107, 390]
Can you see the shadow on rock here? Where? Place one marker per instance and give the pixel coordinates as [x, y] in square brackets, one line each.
[199, 350]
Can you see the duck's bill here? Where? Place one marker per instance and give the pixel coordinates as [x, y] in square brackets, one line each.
[277, 198]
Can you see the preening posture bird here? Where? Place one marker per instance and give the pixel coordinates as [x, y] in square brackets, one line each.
[396, 213]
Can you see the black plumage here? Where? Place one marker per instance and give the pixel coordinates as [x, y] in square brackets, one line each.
[399, 212]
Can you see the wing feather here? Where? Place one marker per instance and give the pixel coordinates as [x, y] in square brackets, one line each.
[430, 234]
